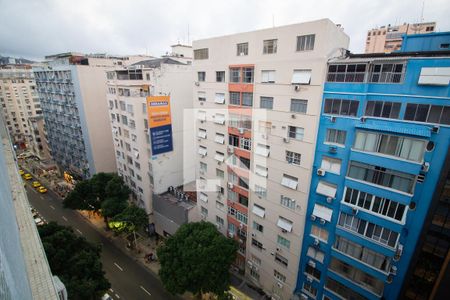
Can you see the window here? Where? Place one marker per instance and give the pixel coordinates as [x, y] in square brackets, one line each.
[319, 233]
[235, 75]
[383, 109]
[299, 106]
[372, 231]
[281, 259]
[428, 113]
[220, 221]
[260, 191]
[341, 107]
[381, 206]
[346, 73]
[315, 254]
[219, 138]
[296, 133]
[268, 76]
[257, 244]
[332, 165]
[202, 151]
[235, 98]
[220, 157]
[201, 76]
[308, 288]
[283, 242]
[293, 158]
[124, 120]
[336, 136]
[203, 197]
[219, 119]
[242, 49]
[289, 181]
[279, 276]
[313, 272]
[203, 167]
[287, 202]
[201, 53]
[122, 105]
[201, 133]
[444, 46]
[266, 102]
[233, 140]
[258, 227]
[301, 77]
[269, 46]
[343, 291]
[398, 146]
[220, 76]
[220, 206]
[261, 171]
[247, 75]
[245, 144]
[247, 99]
[220, 174]
[387, 73]
[204, 212]
[263, 150]
[305, 42]
[201, 96]
[219, 98]
[381, 176]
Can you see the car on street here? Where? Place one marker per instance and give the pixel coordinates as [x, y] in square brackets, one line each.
[106, 296]
[27, 176]
[39, 221]
[21, 172]
[42, 189]
[36, 184]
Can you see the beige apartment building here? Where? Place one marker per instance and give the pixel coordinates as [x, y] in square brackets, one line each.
[150, 166]
[386, 39]
[22, 110]
[258, 97]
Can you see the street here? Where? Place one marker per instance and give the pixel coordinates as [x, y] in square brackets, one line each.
[129, 280]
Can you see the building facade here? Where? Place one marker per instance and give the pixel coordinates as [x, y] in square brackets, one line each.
[147, 168]
[257, 99]
[22, 110]
[382, 142]
[386, 39]
[72, 91]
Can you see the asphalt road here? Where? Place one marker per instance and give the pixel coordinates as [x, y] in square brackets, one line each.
[129, 279]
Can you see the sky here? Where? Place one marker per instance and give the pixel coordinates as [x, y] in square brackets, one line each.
[35, 28]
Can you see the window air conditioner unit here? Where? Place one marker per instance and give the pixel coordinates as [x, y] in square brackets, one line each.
[280, 285]
[297, 87]
[316, 242]
[321, 172]
[230, 185]
[286, 140]
[218, 225]
[322, 221]
[283, 230]
[230, 149]
[435, 129]
[354, 210]
[241, 130]
[333, 119]
[311, 263]
[329, 199]
[362, 119]
[393, 270]
[425, 166]
[197, 83]
[313, 217]
[398, 252]
[231, 235]
[250, 264]
[242, 54]
[309, 278]
[293, 116]
[332, 149]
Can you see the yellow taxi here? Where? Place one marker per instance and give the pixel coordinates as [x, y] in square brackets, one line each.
[36, 184]
[42, 189]
[21, 172]
[27, 176]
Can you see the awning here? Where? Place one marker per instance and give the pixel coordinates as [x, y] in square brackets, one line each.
[404, 128]
[219, 157]
[322, 212]
[326, 189]
[262, 150]
[201, 115]
[219, 98]
[262, 171]
[219, 119]
[284, 224]
[202, 134]
[259, 211]
[220, 138]
[202, 151]
[203, 197]
[301, 77]
[288, 182]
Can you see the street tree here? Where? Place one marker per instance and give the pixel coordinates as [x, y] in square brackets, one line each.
[82, 197]
[75, 261]
[135, 216]
[113, 206]
[197, 259]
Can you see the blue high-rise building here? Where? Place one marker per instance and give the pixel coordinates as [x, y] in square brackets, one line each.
[382, 141]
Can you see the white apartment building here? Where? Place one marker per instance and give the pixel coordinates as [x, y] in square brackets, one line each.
[22, 110]
[258, 99]
[145, 170]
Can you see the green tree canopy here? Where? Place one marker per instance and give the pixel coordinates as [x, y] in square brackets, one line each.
[75, 261]
[113, 206]
[134, 215]
[82, 197]
[197, 258]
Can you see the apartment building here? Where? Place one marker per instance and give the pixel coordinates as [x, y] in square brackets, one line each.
[147, 101]
[22, 110]
[386, 39]
[257, 97]
[382, 142]
[71, 89]
[24, 270]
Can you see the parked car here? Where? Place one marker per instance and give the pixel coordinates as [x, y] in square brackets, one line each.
[21, 172]
[39, 221]
[36, 184]
[42, 189]
[106, 296]
[27, 176]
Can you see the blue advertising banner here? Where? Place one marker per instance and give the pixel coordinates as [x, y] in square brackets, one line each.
[161, 138]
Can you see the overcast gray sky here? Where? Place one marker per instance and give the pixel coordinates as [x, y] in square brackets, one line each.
[35, 28]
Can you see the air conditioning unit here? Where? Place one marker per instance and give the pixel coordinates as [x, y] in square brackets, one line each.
[250, 264]
[312, 263]
[329, 200]
[197, 83]
[322, 221]
[230, 185]
[231, 235]
[332, 149]
[280, 285]
[253, 234]
[309, 279]
[425, 166]
[398, 252]
[278, 249]
[286, 140]
[435, 129]
[389, 278]
[242, 54]
[321, 172]
[296, 87]
[293, 116]
[218, 225]
[313, 217]
[241, 130]
[354, 211]
[316, 242]
[230, 149]
[283, 230]
[363, 119]
[393, 270]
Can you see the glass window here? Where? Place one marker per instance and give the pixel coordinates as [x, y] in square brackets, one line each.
[287, 202]
[283, 242]
[220, 76]
[341, 107]
[201, 76]
[296, 133]
[293, 157]
[383, 109]
[235, 75]
[268, 76]
[306, 42]
[201, 53]
[247, 99]
[235, 98]
[242, 49]
[247, 75]
[266, 102]
[336, 136]
[270, 47]
[299, 106]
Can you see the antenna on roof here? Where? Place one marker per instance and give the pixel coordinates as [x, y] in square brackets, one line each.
[188, 35]
[273, 20]
[421, 13]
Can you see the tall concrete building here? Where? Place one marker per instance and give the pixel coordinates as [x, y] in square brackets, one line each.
[72, 91]
[257, 97]
[383, 140]
[147, 101]
[386, 39]
[22, 110]
[24, 270]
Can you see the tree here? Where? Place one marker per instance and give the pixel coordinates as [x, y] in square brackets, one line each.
[197, 258]
[136, 216]
[75, 261]
[82, 197]
[112, 207]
